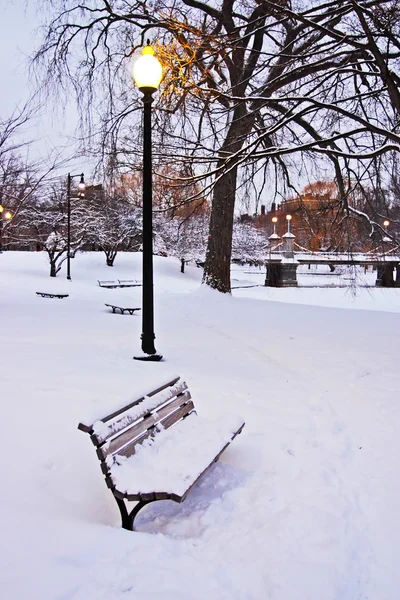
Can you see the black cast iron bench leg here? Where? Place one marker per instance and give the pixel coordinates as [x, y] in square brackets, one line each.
[128, 518]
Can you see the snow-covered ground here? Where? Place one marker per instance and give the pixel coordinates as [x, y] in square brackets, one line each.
[302, 506]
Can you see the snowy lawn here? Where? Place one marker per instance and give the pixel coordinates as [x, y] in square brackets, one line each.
[302, 506]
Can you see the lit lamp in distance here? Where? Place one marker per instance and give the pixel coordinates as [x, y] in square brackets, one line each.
[288, 219]
[147, 73]
[386, 224]
[274, 220]
[5, 215]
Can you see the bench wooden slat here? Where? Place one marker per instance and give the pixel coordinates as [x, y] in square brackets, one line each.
[138, 428]
[137, 431]
[177, 415]
[172, 418]
[116, 425]
[89, 428]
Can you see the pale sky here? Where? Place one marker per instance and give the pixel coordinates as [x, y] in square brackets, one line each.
[19, 36]
[17, 39]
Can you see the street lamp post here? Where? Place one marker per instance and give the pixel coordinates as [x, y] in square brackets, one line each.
[288, 239]
[81, 187]
[147, 73]
[274, 237]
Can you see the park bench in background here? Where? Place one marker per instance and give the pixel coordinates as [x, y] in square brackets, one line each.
[121, 309]
[108, 284]
[129, 283]
[157, 447]
[120, 283]
[48, 295]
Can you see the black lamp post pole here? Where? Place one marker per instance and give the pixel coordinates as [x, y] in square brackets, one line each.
[81, 194]
[69, 178]
[148, 336]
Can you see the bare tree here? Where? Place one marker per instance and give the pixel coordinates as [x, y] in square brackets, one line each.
[42, 224]
[247, 86]
[182, 236]
[114, 224]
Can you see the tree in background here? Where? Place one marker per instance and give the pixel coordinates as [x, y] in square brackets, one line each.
[114, 223]
[249, 243]
[19, 178]
[42, 224]
[184, 237]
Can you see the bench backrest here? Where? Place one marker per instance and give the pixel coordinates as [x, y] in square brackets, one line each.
[119, 432]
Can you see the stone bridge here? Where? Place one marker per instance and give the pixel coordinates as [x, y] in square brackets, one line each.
[282, 265]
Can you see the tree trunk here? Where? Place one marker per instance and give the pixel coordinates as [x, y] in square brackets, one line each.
[182, 265]
[217, 268]
[53, 270]
[110, 257]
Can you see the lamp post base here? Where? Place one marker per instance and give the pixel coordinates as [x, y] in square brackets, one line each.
[149, 357]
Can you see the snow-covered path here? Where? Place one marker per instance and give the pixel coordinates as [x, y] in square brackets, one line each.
[302, 506]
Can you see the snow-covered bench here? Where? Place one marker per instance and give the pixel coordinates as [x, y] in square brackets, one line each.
[48, 295]
[129, 283]
[157, 447]
[120, 283]
[121, 309]
[107, 284]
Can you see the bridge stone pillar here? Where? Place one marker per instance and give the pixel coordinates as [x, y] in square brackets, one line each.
[289, 275]
[281, 274]
[384, 275]
[397, 282]
[288, 245]
[273, 275]
[274, 240]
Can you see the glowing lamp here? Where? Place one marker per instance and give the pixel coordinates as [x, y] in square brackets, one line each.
[82, 184]
[147, 70]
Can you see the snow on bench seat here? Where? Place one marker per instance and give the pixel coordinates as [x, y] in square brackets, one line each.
[174, 459]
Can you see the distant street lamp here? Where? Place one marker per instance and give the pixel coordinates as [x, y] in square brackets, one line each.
[147, 73]
[274, 220]
[5, 215]
[386, 224]
[81, 187]
[288, 219]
